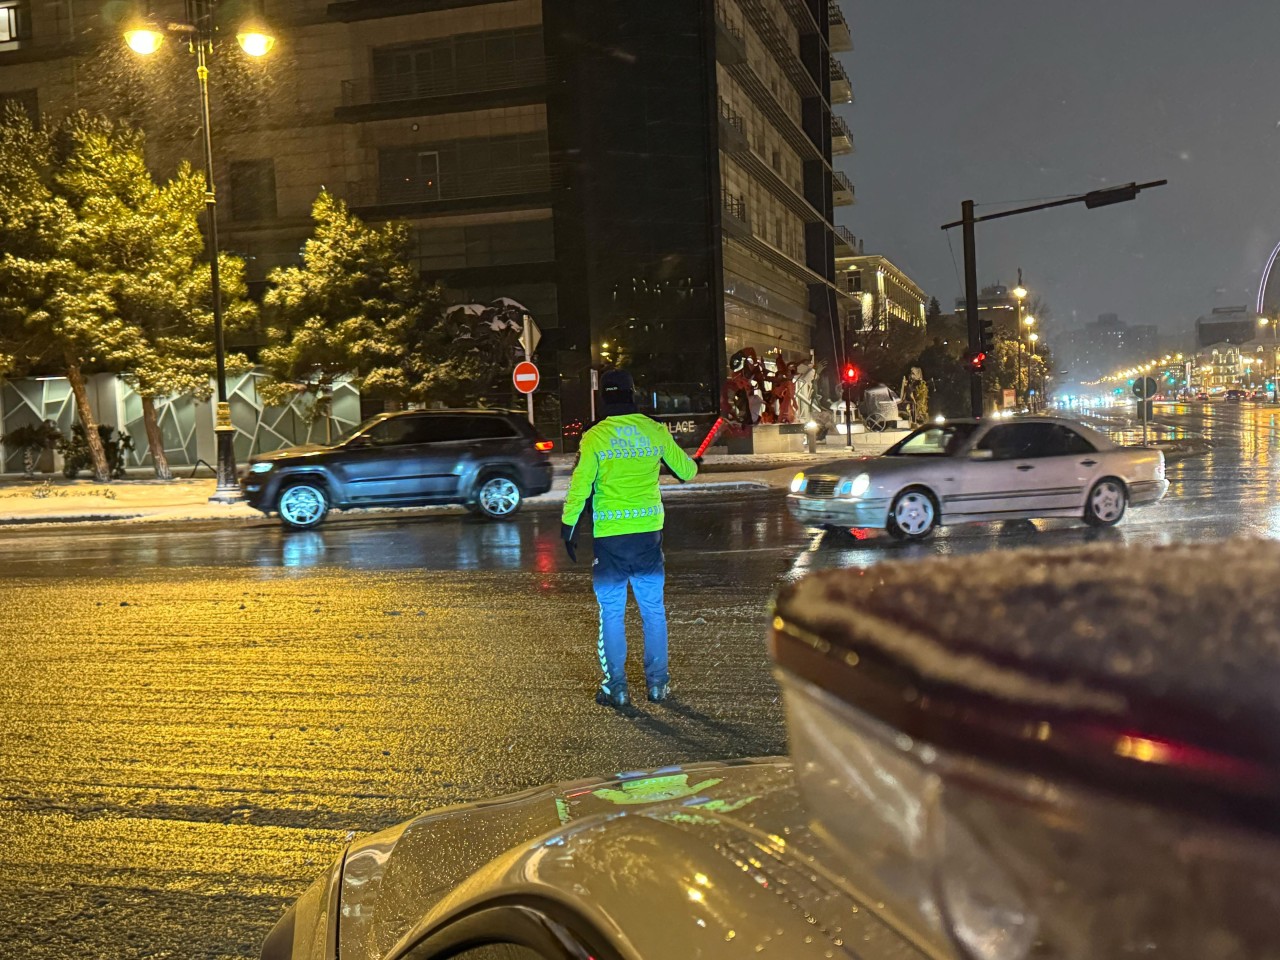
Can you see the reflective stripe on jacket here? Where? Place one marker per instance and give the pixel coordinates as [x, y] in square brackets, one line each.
[618, 464]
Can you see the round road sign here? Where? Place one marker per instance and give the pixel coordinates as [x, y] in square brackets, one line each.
[1144, 388]
[525, 377]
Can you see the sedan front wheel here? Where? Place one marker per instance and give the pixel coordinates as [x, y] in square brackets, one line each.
[913, 515]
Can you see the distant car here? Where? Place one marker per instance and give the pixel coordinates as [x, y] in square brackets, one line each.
[1234, 396]
[962, 471]
[1202, 396]
[489, 461]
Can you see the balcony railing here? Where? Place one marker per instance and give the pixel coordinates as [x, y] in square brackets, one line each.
[841, 136]
[845, 238]
[842, 189]
[733, 130]
[841, 88]
[463, 185]
[734, 205]
[731, 39]
[735, 218]
[507, 75]
[841, 39]
[732, 117]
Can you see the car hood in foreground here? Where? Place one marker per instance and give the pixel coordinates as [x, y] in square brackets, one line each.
[719, 851]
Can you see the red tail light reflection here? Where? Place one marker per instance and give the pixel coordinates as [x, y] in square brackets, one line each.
[544, 446]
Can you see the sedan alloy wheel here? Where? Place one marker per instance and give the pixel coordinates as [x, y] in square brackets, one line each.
[1106, 503]
[913, 515]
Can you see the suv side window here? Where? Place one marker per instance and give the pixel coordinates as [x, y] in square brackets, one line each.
[396, 432]
[490, 428]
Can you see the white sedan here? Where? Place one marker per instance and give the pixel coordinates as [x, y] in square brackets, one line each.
[961, 471]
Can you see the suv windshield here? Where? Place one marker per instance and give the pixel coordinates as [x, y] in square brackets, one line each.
[934, 440]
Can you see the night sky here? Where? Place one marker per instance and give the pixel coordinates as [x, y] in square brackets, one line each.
[996, 100]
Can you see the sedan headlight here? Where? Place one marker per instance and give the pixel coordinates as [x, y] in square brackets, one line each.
[260, 467]
[856, 487]
[798, 483]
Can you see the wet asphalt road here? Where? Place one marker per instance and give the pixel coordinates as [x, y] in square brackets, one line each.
[194, 718]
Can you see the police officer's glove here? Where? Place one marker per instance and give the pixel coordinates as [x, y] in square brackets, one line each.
[570, 537]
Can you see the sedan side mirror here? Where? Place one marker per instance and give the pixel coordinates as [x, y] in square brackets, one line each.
[982, 454]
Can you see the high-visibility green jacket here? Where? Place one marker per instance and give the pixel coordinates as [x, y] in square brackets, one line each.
[618, 464]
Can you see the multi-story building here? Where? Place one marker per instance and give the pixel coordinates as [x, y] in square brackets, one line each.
[1100, 348]
[1226, 325]
[655, 176]
[997, 304]
[881, 292]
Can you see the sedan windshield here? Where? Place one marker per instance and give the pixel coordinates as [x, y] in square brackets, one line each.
[934, 440]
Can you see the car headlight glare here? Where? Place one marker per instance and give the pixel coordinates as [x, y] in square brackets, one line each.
[798, 483]
[856, 487]
[260, 467]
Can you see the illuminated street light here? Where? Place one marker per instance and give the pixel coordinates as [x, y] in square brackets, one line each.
[145, 37]
[1033, 337]
[255, 39]
[1030, 321]
[1020, 292]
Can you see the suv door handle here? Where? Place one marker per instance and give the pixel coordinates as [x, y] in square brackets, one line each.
[1025, 467]
[1088, 463]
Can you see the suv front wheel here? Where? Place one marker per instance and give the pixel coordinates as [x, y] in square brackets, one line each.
[302, 505]
[497, 497]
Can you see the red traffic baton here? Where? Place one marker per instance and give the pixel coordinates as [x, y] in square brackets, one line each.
[715, 429]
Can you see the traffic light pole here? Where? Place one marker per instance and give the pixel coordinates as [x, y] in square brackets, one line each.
[1095, 198]
[971, 304]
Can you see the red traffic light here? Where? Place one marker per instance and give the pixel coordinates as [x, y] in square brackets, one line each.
[850, 374]
[977, 360]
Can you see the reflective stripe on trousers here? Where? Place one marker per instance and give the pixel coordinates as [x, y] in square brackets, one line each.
[632, 560]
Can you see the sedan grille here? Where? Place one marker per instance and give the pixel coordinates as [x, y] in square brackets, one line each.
[822, 487]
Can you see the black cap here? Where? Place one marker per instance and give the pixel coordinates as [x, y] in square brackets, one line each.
[618, 391]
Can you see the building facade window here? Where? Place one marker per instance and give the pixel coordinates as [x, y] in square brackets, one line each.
[485, 245]
[462, 64]
[12, 24]
[253, 190]
[461, 169]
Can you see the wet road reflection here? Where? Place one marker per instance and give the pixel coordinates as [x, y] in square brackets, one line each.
[194, 717]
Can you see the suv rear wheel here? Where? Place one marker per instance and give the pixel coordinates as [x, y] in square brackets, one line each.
[302, 505]
[498, 497]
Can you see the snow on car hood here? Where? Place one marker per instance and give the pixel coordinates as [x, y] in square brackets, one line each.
[1078, 749]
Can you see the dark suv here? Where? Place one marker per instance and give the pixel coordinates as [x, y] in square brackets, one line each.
[488, 461]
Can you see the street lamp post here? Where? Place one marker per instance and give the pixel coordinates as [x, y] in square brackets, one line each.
[1020, 294]
[145, 38]
[1031, 343]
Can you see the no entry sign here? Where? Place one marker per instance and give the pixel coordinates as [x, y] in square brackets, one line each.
[525, 377]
